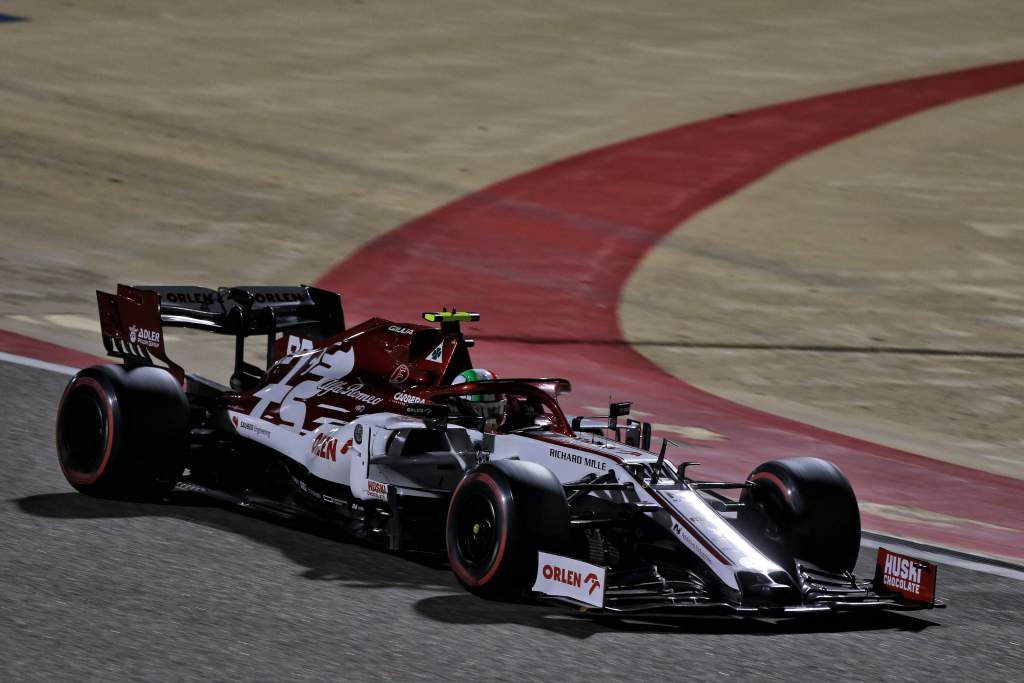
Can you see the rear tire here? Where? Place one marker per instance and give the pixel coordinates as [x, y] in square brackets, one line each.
[500, 515]
[123, 433]
[803, 508]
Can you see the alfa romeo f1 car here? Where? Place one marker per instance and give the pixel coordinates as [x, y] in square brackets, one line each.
[388, 432]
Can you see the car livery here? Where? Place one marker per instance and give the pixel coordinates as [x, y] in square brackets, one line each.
[365, 428]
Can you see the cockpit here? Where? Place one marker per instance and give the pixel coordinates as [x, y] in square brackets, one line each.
[521, 405]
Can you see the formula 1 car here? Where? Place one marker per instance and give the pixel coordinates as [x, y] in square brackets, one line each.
[387, 431]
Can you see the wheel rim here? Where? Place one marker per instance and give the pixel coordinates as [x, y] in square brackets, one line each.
[476, 531]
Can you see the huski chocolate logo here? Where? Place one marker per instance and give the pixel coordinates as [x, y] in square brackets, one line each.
[376, 489]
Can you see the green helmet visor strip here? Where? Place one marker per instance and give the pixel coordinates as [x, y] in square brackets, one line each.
[476, 375]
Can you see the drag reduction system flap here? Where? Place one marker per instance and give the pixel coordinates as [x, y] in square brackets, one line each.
[132, 320]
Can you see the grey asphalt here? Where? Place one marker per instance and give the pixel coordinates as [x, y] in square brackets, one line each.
[99, 590]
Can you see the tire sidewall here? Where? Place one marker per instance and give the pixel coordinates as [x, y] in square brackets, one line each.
[812, 504]
[499, 494]
[145, 416]
[98, 383]
[534, 515]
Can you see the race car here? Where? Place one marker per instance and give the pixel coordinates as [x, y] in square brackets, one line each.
[387, 431]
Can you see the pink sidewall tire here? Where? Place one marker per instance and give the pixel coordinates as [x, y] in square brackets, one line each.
[500, 515]
[122, 433]
[803, 509]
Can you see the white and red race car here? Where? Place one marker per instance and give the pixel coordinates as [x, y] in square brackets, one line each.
[387, 432]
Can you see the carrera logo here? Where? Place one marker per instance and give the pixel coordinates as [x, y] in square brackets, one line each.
[400, 374]
[140, 335]
[400, 330]
[376, 489]
[571, 578]
[407, 399]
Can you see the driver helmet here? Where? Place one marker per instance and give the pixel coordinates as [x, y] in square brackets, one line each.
[489, 407]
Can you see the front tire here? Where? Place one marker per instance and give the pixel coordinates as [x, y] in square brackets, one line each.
[123, 433]
[803, 508]
[500, 515]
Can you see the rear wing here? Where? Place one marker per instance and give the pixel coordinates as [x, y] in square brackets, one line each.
[132, 321]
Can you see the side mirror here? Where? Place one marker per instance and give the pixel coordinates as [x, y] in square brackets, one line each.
[681, 468]
[590, 425]
[638, 434]
[616, 410]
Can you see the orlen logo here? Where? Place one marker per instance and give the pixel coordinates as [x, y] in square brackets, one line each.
[200, 298]
[277, 298]
[571, 578]
[143, 336]
[326, 447]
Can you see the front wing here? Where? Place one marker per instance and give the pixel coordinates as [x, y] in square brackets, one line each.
[571, 583]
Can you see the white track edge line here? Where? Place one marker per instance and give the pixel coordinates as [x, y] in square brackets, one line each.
[942, 557]
[34, 363]
[935, 553]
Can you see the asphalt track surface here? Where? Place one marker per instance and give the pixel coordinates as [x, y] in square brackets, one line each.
[101, 590]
